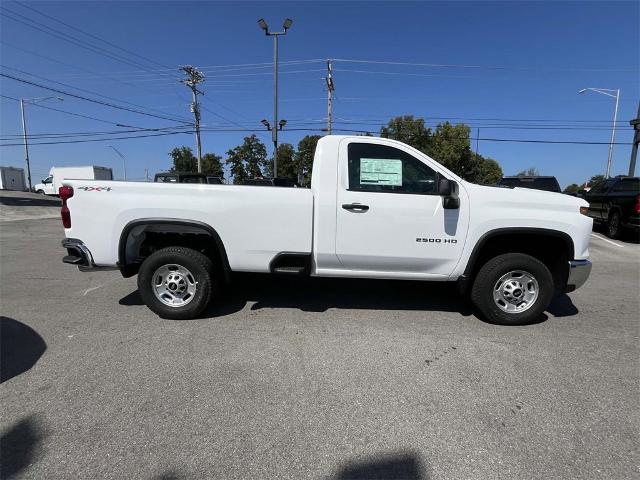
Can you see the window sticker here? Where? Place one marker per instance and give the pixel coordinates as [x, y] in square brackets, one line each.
[381, 171]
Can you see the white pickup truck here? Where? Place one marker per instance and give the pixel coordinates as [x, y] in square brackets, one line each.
[377, 208]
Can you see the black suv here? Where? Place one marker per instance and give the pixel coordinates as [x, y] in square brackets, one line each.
[548, 184]
[271, 182]
[186, 177]
[616, 202]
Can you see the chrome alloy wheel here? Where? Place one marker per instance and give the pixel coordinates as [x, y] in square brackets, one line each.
[516, 291]
[174, 285]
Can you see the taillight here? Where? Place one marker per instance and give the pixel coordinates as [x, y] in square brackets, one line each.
[638, 204]
[65, 194]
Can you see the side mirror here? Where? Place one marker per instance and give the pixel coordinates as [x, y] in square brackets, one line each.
[448, 190]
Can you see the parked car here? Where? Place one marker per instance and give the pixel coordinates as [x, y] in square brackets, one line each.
[377, 208]
[616, 203]
[186, 177]
[271, 182]
[52, 183]
[548, 184]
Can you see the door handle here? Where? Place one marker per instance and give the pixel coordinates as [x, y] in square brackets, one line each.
[355, 207]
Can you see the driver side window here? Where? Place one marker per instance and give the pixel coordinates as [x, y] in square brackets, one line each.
[49, 179]
[382, 168]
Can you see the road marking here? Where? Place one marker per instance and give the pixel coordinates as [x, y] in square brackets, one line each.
[607, 240]
[99, 286]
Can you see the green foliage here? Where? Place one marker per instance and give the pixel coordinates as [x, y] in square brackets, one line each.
[409, 130]
[247, 160]
[449, 145]
[287, 166]
[529, 172]
[212, 165]
[485, 171]
[183, 160]
[304, 157]
[573, 188]
[595, 179]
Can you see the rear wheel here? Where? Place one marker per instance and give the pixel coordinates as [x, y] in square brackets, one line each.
[613, 225]
[176, 282]
[513, 289]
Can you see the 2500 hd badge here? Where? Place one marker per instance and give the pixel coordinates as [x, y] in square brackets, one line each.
[437, 240]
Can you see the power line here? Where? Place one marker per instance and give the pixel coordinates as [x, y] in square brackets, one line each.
[72, 113]
[176, 119]
[97, 139]
[70, 39]
[24, 5]
[99, 102]
[490, 67]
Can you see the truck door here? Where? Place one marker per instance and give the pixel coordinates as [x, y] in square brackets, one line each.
[389, 216]
[597, 197]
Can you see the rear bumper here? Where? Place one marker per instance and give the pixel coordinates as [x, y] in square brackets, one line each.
[79, 255]
[579, 271]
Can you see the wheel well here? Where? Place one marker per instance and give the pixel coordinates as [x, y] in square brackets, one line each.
[141, 238]
[554, 249]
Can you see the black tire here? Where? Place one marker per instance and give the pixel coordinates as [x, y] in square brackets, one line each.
[40, 192]
[197, 264]
[482, 294]
[614, 228]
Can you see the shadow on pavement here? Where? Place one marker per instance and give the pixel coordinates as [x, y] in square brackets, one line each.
[404, 466]
[20, 348]
[30, 201]
[20, 446]
[321, 294]
[562, 306]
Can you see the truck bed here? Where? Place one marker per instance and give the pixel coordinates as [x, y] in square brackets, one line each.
[254, 223]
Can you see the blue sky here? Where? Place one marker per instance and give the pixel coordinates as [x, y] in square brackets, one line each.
[512, 69]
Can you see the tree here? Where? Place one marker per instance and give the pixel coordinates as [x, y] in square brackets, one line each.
[304, 157]
[529, 172]
[595, 179]
[573, 188]
[485, 171]
[287, 166]
[183, 160]
[450, 147]
[409, 130]
[212, 165]
[247, 160]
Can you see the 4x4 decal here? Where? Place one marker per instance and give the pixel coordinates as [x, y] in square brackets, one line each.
[95, 189]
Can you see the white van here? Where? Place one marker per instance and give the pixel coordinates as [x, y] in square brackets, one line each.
[50, 185]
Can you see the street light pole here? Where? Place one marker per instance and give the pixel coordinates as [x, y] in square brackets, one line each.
[274, 131]
[24, 131]
[609, 93]
[124, 161]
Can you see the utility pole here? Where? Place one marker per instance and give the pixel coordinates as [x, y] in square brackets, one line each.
[330, 89]
[635, 123]
[26, 143]
[194, 78]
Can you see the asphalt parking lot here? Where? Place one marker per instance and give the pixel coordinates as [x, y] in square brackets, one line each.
[311, 379]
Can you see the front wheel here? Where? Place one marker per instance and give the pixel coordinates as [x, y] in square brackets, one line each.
[513, 289]
[40, 192]
[176, 282]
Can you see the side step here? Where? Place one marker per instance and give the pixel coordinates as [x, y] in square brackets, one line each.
[291, 263]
